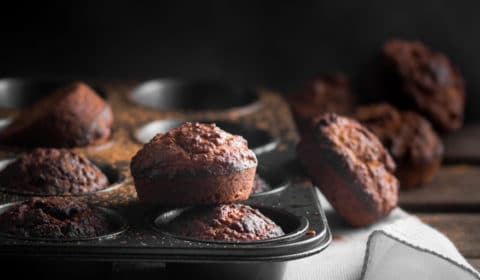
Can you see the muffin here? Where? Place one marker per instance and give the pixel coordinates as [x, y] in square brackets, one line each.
[352, 169]
[327, 93]
[52, 172]
[194, 164]
[413, 77]
[226, 222]
[410, 139]
[72, 116]
[54, 217]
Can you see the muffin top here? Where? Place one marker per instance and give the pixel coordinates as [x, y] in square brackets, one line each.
[54, 217]
[193, 149]
[226, 222]
[52, 172]
[326, 93]
[429, 79]
[71, 116]
[407, 135]
[360, 156]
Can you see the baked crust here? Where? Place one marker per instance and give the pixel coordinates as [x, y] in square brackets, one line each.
[227, 222]
[52, 172]
[194, 164]
[352, 169]
[72, 116]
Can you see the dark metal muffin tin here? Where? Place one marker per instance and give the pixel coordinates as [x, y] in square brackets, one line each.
[294, 206]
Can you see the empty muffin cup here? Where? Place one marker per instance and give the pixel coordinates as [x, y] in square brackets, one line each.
[260, 141]
[115, 178]
[291, 225]
[16, 93]
[117, 225]
[195, 95]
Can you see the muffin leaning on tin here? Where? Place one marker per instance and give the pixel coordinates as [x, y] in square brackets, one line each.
[194, 164]
[352, 169]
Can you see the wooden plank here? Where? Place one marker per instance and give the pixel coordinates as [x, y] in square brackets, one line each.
[462, 229]
[454, 189]
[463, 146]
[475, 263]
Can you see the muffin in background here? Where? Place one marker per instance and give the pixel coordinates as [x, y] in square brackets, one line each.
[410, 139]
[411, 76]
[72, 116]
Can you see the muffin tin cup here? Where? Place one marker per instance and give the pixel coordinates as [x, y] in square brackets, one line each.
[195, 95]
[260, 141]
[115, 177]
[292, 225]
[119, 222]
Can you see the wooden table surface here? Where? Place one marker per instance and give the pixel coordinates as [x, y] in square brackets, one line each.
[451, 202]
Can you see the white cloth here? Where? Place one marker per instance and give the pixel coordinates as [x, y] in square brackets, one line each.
[399, 247]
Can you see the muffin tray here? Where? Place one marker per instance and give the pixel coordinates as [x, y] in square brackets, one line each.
[296, 209]
[292, 205]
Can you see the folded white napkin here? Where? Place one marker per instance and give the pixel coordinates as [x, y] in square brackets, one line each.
[399, 247]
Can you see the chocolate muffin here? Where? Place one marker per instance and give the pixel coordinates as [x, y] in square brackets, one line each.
[227, 222]
[352, 169]
[327, 93]
[54, 217]
[72, 116]
[194, 164]
[413, 77]
[52, 172]
[414, 145]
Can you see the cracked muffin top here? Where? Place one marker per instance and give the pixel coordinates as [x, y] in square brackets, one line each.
[193, 149]
[360, 154]
[52, 172]
[54, 217]
[227, 222]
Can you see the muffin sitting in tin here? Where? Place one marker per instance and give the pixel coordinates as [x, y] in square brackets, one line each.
[52, 172]
[409, 137]
[226, 222]
[72, 116]
[194, 164]
[54, 217]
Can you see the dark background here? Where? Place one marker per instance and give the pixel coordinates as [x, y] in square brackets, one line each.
[270, 44]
